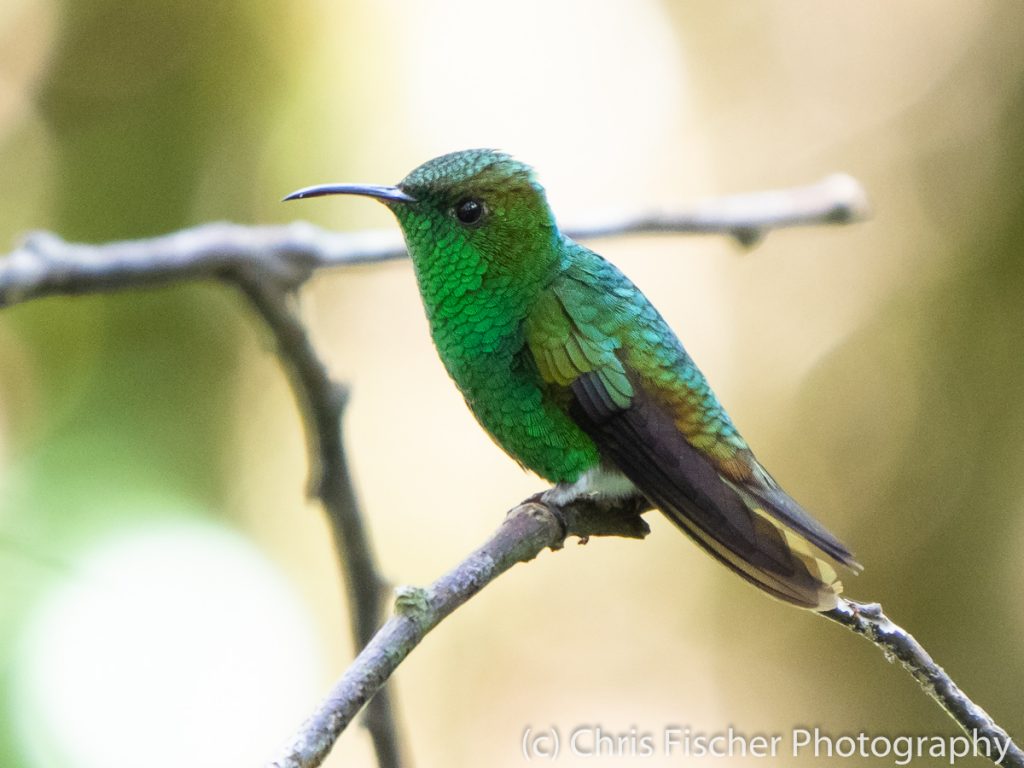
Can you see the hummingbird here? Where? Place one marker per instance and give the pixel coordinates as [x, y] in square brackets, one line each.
[577, 377]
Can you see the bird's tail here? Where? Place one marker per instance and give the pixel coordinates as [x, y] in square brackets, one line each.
[741, 518]
[776, 559]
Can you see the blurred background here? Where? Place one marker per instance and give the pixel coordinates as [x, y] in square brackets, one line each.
[167, 594]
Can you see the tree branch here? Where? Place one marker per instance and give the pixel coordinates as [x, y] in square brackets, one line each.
[836, 199]
[527, 530]
[269, 263]
[44, 265]
[322, 404]
[868, 621]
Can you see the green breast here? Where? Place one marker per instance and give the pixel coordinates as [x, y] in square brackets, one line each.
[495, 373]
[476, 319]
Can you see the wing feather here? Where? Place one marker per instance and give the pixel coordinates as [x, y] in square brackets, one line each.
[718, 494]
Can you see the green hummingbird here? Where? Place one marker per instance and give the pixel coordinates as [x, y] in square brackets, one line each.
[574, 373]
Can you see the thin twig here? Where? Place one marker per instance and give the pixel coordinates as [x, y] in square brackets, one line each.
[322, 403]
[836, 199]
[868, 621]
[45, 265]
[527, 530]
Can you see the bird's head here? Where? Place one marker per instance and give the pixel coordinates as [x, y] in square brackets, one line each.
[477, 206]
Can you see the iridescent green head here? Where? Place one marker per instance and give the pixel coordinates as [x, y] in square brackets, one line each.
[476, 206]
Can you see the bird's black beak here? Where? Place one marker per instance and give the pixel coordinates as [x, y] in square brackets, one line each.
[384, 194]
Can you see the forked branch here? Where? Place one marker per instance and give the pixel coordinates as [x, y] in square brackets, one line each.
[268, 264]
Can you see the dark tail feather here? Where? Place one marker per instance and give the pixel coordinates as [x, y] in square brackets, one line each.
[765, 496]
[771, 545]
[780, 562]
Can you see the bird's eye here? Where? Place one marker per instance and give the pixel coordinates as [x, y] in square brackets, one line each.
[470, 210]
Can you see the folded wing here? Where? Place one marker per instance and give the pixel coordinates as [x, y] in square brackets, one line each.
[645, 419]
